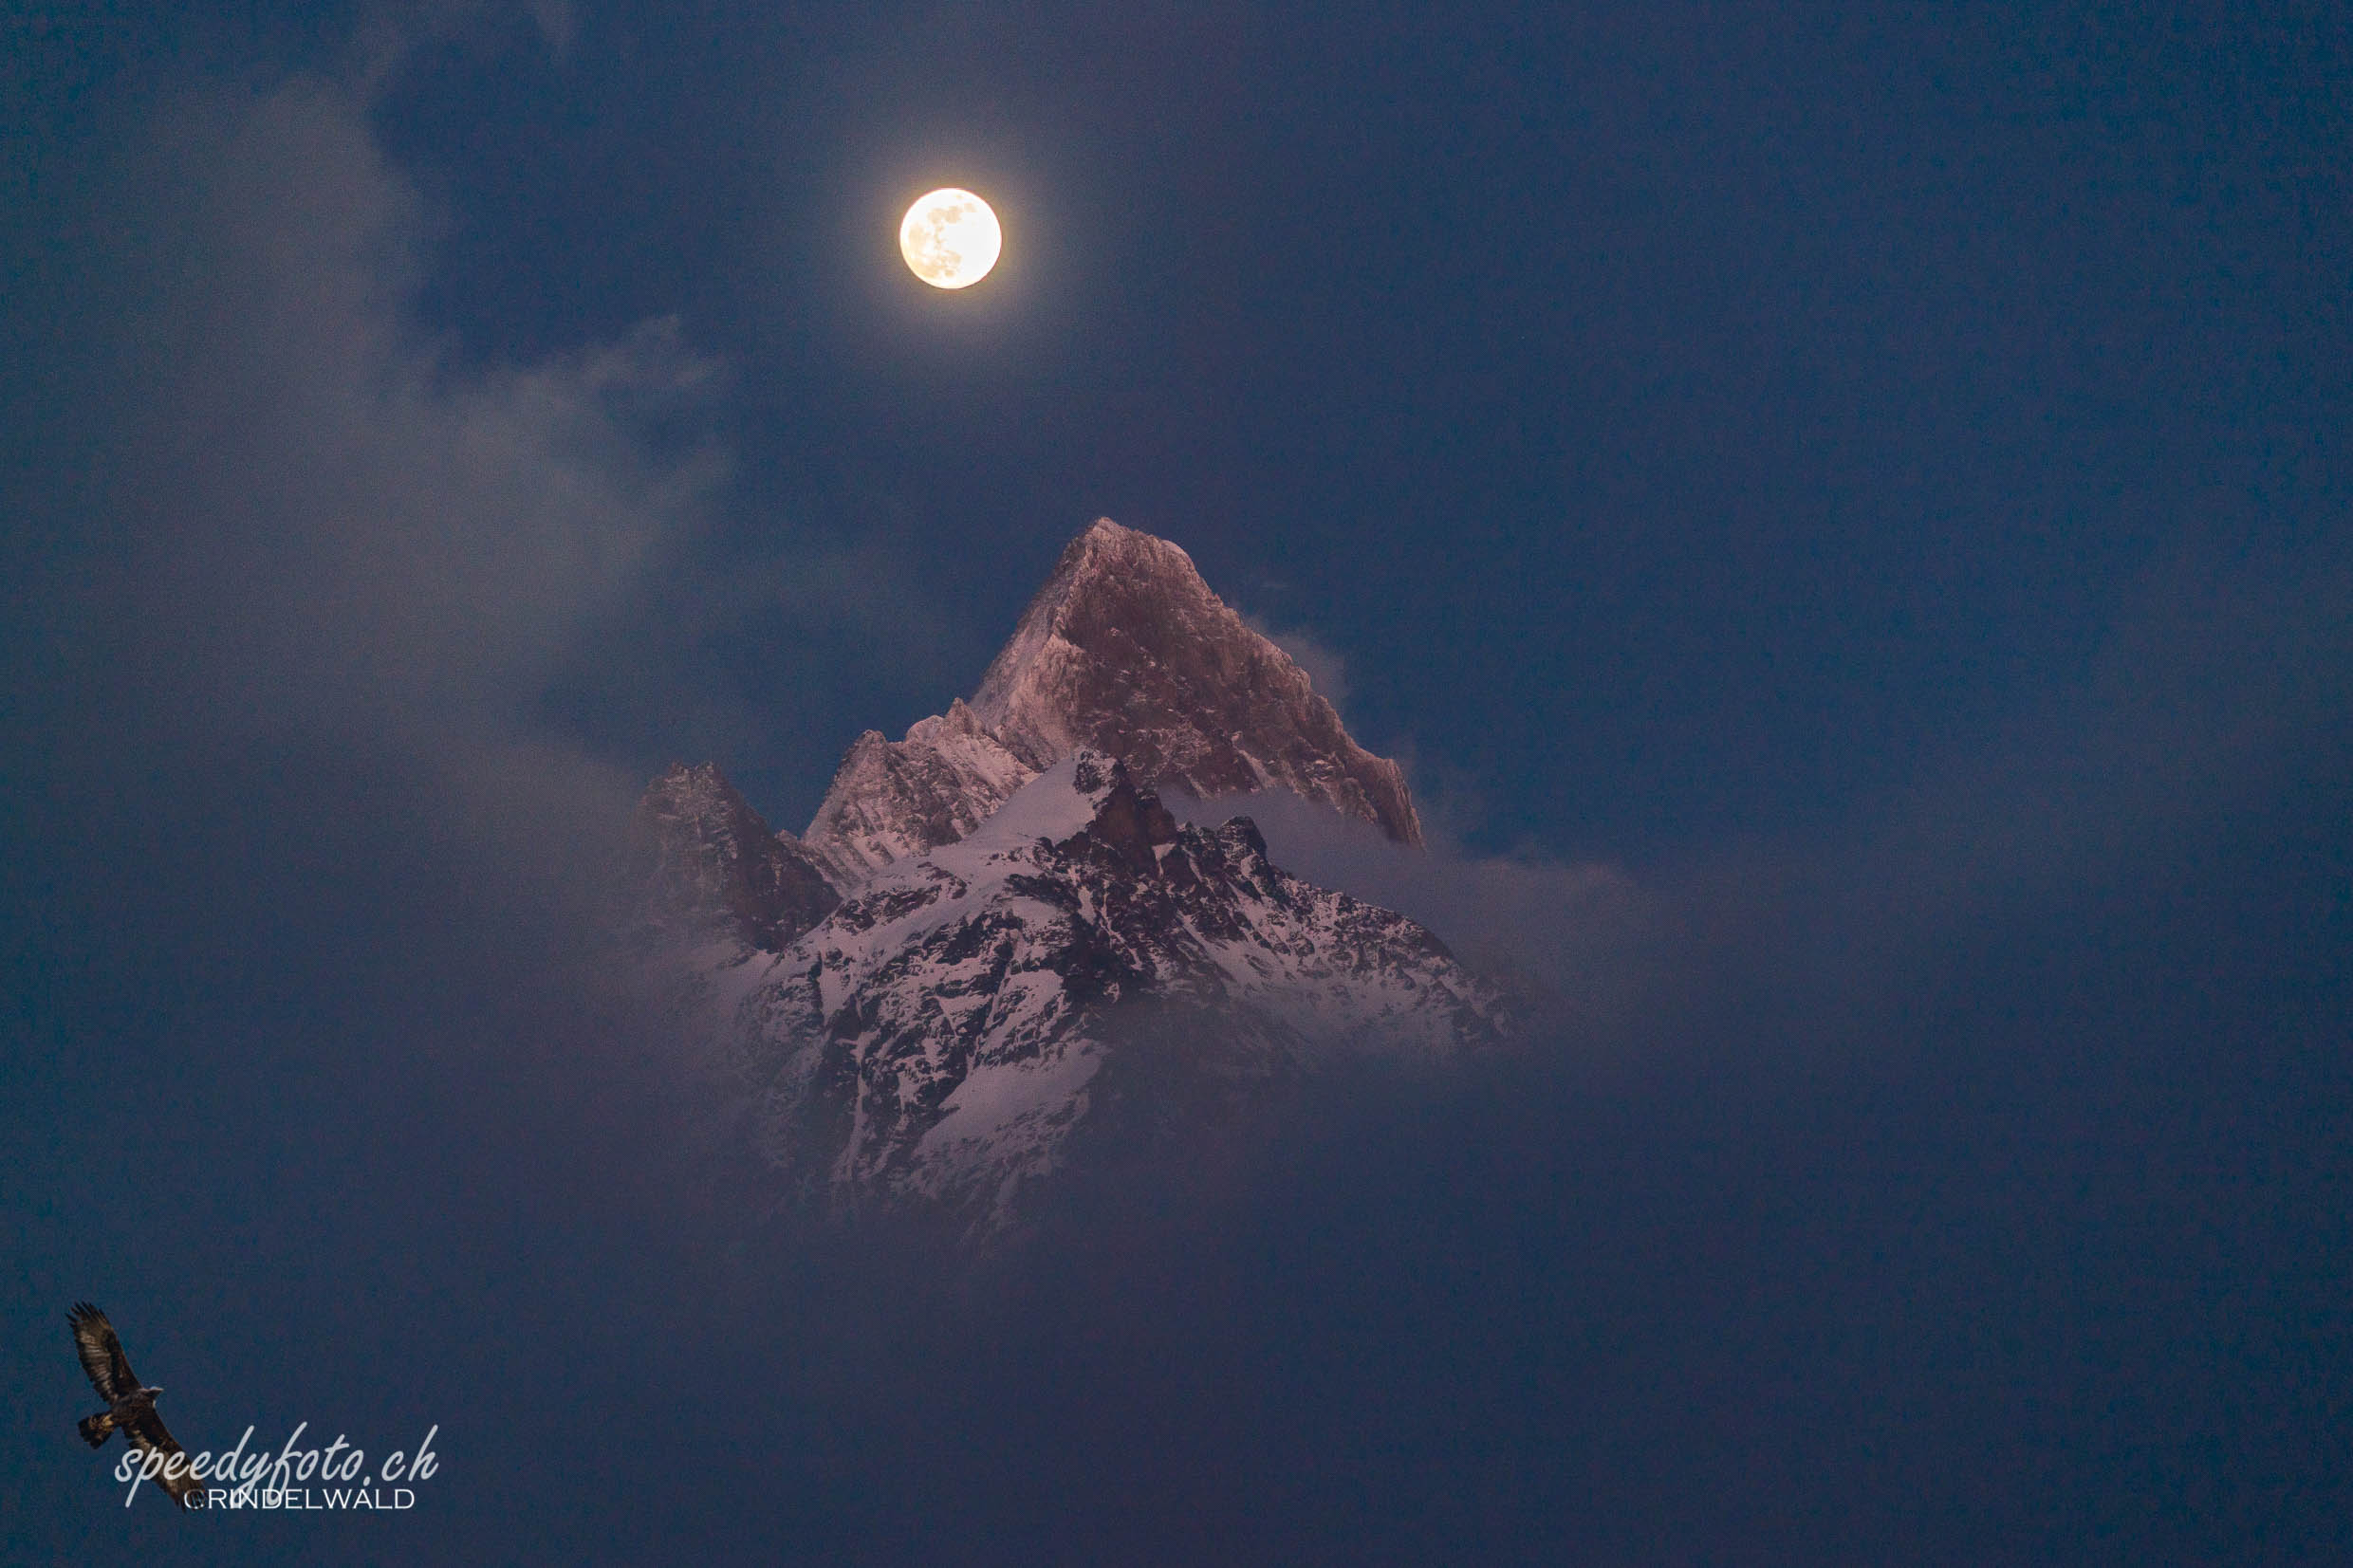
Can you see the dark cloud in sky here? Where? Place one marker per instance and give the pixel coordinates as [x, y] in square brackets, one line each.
[1956, 1176]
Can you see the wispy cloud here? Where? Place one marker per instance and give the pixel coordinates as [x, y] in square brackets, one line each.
[326, 520]
[1326, 666]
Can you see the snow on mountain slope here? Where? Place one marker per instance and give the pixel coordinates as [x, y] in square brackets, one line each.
[949, 1031]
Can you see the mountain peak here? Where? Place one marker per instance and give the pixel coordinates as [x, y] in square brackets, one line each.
[707, 860]
[1104, 546]
[1104, 570]
[1123, 652]
[1126, 649]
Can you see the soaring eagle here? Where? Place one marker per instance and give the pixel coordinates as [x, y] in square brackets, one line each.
[130, 1406]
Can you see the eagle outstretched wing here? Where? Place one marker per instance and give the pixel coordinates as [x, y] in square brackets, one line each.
[147, 1433]
[102, 1352]
[110, 1374]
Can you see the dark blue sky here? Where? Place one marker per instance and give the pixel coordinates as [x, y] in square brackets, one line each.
[1878, 475]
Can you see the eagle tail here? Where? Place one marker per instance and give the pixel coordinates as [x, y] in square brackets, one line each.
[97, 1429]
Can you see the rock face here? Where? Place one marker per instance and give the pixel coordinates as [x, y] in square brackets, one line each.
[1125, 651]
[995, 949]
[1128, 652]
[711, 864]
[894, 798]
[948, 1033]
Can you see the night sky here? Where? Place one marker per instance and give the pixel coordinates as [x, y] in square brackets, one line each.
[1842, 513]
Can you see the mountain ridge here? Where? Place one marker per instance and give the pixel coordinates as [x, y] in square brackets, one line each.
[938, 1037]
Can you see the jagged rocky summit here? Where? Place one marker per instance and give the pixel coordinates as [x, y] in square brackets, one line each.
[710, 865]
[1125, 651]
[995, 949]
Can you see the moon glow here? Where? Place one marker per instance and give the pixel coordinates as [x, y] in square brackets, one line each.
[950, 238]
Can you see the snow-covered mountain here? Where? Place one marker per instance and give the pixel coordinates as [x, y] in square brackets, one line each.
[995, 947]
[946, 1031]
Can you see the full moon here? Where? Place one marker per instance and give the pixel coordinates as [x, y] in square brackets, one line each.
[949, 239]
